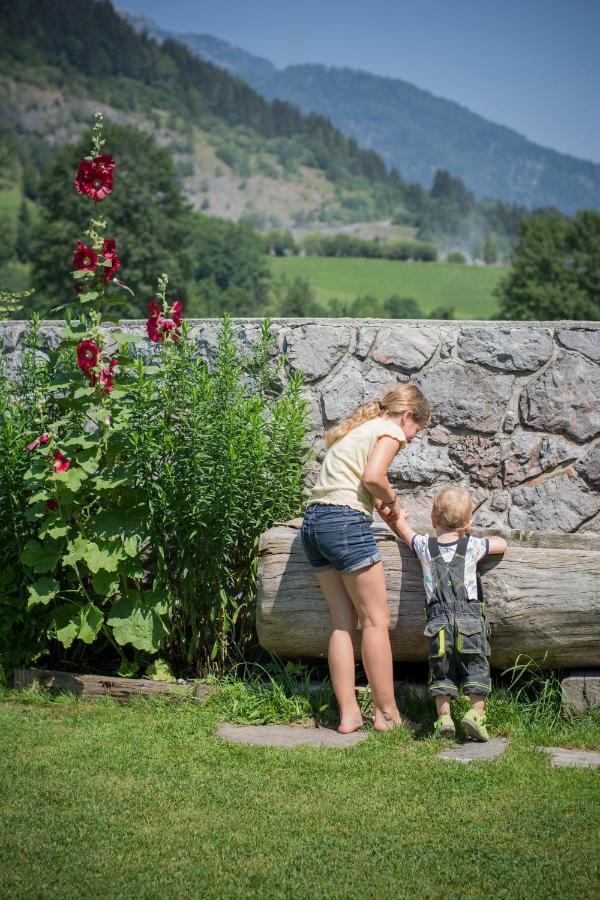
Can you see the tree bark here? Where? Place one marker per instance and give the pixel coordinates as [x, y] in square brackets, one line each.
[542, 598]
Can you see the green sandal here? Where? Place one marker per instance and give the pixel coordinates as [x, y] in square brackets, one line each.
[444, 726]
[474, 724]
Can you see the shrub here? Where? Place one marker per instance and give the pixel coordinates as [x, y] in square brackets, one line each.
[456, 257]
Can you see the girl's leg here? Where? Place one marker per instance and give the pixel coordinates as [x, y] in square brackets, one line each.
[477, 702]
[442, 704]
[341, 650]
[368, 593]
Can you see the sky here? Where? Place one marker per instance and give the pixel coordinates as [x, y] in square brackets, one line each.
[532, 65]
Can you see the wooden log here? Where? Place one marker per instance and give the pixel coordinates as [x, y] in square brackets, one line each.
[542, 596]
[92, 687]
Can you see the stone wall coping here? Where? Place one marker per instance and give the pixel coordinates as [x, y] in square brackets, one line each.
[447, 323]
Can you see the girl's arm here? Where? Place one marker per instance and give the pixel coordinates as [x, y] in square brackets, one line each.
[375, 475]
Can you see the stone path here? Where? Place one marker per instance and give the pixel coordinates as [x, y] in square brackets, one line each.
[471, 752]
[289, 736]
[581, 759]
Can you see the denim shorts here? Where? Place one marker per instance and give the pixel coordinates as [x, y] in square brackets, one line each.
[338, 537]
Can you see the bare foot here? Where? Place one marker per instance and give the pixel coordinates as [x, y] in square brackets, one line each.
[347, 726]
[382, 724]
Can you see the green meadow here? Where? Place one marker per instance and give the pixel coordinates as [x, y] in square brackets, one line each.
[469, 289]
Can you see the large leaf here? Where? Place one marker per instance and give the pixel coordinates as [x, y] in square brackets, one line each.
[90, 624]
[66, 620]
[72, 478]
[41, 557]
[43, 591]
[54, 527]
[105, 583]
[94, 557]
[136, 625]
[160, 670]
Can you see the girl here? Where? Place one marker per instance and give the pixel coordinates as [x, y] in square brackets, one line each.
[339, 543]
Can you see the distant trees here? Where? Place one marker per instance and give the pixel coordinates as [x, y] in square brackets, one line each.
[556, 268]
[347, 245]
[490, 250]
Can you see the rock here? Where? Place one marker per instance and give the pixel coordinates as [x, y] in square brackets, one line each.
[315, 348]
[419, 463]
[510, 421]
[289, 736]
[438, 435]
[581, 690]
[565, 398]
[500, 501]
[589, 466]
[506, 348]
[475, 751]
[352, 385]
[448, 342]
[465, 397]
[556, 504]
[205, 336]
[586, 341]
[485, 517]
[580, 759]
[11, 335]
[481, 457]
[364, 341]
[408, 347]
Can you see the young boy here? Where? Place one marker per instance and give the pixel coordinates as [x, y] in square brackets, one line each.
[456, 629]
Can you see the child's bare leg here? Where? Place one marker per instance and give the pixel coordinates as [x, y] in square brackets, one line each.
[442, 705]
[477, 701]
[368, 592]
[341, 651]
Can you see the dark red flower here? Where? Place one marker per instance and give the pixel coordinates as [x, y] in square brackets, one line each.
[176, 310]
[158, 327]
[52, 504]
[88, 355]
[61, 463]
[106, 375]
[42, 439]
[84, 258]
[105, 162]
[109, 248]
[94, 181]
[78, 287]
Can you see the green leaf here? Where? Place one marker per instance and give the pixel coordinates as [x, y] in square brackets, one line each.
[94, 557]
[121, 338]
[37, 510]
[54, 527]
[105, 583]
[41, 495]
[90, 624]
[160, 670]
[43, 591]
[136, 625]
[83, 392]
[66, 621]
[157, 600]
[108, 484]
[88, 296]
[41, 557]
[83, 442]
[131, 545]
[128, 668]
[71, 479]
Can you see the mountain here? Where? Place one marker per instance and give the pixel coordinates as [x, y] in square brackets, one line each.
[412, 129]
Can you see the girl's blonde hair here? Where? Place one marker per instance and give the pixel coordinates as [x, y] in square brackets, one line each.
[396, 399]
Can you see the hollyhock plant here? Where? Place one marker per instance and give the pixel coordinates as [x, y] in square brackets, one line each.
[105, 162]
[84, 258]
[61, 463]
[106, 376]
[52, 504]
[39, 441]
[94, 181]
[88, 356]
[109, 248]
[158, 327]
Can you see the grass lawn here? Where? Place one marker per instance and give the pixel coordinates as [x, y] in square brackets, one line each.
[102, 800]
[467, 288]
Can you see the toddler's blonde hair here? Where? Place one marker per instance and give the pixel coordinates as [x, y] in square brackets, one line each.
[396, 399]
[452, 509]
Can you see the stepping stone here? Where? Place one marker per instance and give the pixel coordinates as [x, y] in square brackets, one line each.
[581, 759]
[289, 736]
[474, 751]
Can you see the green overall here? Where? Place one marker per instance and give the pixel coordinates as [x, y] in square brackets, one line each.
[457, 632]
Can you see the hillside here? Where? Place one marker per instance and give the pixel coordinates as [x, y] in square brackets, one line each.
[412, 129]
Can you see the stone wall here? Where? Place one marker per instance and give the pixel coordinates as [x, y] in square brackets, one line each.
[516, 407]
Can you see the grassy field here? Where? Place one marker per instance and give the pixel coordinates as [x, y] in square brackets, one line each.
[467, 288]
[102, 800]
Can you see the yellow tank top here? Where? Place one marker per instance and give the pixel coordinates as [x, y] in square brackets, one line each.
[340, 478]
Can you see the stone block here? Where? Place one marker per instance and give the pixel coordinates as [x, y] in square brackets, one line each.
[589, 466]
[407, 347]
[506, 348]
[466, 397]
[586, 341]
[565, 398]
[581, 690]
[556, 504]
[315, 348]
